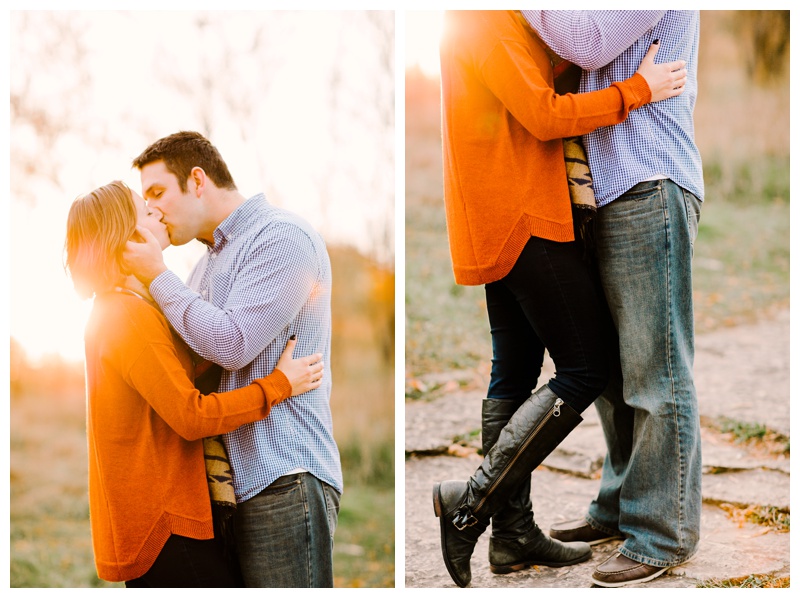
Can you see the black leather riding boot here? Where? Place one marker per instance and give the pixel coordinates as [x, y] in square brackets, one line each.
[517, 542]
[515, 517]
[464, 508]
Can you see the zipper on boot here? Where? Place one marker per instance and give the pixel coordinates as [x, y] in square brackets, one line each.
[554, 412]
[557, 407]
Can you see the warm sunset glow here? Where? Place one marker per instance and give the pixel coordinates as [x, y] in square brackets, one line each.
[423, 30]
[290, 139]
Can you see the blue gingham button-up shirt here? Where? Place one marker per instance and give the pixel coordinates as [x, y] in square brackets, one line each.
[268, 276]
[658, 138]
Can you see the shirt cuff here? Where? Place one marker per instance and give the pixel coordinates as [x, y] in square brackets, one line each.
[165, 285]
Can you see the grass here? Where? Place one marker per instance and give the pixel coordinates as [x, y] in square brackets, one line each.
[749, 581]
[364, 549]
[446, 324]
[754, 434]
[743, 431]
[741, 261]
[772, 517]
[50, 537]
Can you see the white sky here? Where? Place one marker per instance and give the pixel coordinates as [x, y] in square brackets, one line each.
[423, 29]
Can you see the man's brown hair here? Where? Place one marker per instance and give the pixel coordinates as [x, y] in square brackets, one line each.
[184, 150]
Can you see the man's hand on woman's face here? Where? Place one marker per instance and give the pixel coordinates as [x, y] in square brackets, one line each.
[142, 256]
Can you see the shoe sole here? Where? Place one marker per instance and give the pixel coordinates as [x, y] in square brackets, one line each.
[620, 584]
[603, 540]
[592, 543]
[505, 569]
[437, 508]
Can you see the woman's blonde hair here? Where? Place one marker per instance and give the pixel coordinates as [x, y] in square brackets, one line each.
[98, 225]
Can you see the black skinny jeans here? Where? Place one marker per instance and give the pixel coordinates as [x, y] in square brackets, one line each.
[551, 300]
[189, 563]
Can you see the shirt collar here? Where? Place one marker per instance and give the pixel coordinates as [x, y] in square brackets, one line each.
[236, 220]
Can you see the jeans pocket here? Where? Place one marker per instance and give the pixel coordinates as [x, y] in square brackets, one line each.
[643, 191]
[283, 485]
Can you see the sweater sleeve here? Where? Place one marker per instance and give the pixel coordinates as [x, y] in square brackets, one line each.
[158, 376]
[140, 347]
[513, 76]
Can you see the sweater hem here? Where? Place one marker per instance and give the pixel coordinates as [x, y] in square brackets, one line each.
[528, 226]
[167, 525]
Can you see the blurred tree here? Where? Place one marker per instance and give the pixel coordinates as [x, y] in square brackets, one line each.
[371, 107]
[50, 375]
[766, 33]
[381, 308]
[381, 33]
[217, 82]
[18, 367]
[218, 85]
[45, 107]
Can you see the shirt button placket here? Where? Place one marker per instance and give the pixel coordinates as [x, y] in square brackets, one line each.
[205, 287]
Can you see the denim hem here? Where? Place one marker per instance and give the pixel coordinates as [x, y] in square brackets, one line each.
[654, 562]
[599, 526]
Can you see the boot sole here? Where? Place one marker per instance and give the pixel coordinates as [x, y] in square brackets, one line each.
[504, 569]
[437, 504]
[437, 508]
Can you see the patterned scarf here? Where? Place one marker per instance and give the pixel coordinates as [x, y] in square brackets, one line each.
[218, 467]
[579, 177]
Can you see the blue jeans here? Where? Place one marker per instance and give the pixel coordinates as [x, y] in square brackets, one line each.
[650, 488]
[284, 534]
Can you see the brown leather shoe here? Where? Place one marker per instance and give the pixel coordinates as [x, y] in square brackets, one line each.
[620, 571]
[578, 530]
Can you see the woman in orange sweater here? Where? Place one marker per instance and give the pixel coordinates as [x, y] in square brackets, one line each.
[148, 494]
[509, 221]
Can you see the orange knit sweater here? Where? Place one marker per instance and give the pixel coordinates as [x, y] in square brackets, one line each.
[502, 125]
[145, 424]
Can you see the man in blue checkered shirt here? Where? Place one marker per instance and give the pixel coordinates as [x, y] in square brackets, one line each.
[648, 184]
[265, 277]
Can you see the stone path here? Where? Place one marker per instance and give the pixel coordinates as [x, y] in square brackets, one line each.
[741, 373]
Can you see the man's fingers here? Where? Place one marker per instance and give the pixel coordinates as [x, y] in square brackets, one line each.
[146, 233]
